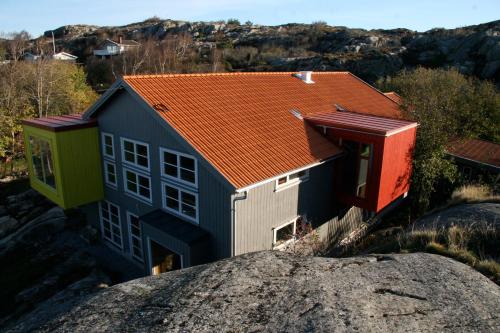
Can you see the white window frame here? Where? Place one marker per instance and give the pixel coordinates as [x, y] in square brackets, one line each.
[179, 212]
[275, 231]
[178, 179]
[119, 225]
[136, 194]
[131, 237]
[103, 136]
[135, 164]
[291, 182]
[106, 178]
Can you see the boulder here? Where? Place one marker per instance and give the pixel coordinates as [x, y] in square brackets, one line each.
[279, 292]
[477, 215]
[8, 224]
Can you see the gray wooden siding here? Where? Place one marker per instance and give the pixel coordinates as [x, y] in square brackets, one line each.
[126, 117]
[265, 209]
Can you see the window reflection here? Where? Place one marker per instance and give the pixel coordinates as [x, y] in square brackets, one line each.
[43, 165]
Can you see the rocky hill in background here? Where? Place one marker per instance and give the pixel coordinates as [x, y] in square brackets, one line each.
[371, 54]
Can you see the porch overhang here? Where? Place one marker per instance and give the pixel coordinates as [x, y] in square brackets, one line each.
[179, 236]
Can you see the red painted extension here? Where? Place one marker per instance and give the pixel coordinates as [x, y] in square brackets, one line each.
[389, 159]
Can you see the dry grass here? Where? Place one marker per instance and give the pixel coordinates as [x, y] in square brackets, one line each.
[468, 194]
[477, 244]
[472, 193]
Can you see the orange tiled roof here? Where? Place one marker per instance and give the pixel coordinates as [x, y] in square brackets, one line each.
[477, 150]
[242, 122]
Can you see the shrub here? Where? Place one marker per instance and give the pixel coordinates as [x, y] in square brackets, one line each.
[233, 21]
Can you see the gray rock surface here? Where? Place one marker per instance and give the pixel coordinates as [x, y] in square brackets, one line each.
[278, 292]
[470, 215]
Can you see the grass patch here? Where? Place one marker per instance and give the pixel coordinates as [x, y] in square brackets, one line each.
[477, 245]
[472, 193]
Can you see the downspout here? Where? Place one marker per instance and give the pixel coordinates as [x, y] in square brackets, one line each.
[233, 218]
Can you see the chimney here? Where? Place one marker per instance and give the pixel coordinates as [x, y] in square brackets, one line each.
[120, 39]
[305, 76]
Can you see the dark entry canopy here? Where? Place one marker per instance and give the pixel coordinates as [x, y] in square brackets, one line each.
[175, 227]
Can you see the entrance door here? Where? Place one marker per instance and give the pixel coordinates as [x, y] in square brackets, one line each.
[163, 260]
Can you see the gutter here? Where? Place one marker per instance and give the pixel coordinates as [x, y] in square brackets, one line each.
[233, 218]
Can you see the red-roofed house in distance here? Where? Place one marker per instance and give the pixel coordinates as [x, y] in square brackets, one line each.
[476, 159]
[199, 167]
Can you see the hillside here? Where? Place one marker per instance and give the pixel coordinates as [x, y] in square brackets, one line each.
[371, 54]
[277, 292]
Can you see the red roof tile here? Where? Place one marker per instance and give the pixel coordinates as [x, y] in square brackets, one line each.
[477, 150]
[242, 122]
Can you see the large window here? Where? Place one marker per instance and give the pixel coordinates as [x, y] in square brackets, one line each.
[41, 157]
[108, 148]
[135, 232]
[364, 164]
[357, 167]
[135, 153]
[180, 201]
[292, 179]
[137, 184]
[178, 166]
[110, 223]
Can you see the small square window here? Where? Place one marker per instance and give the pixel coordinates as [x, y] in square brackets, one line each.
[179, 166]
[135, 153]
[180, 201]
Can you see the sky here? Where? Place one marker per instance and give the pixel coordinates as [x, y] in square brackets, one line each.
[37, 16]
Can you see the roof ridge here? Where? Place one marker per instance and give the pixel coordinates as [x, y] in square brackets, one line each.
[225, 74]
[475, 139]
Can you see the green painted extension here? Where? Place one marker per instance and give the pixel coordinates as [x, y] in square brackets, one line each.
[64, 166]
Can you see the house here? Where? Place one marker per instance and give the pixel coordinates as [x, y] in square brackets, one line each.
[111, 48]
[177, 170]
[28, 56]
[64, 56]
[476, 159]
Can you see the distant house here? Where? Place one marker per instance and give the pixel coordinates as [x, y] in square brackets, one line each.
[28, 56]
[178, 170]
[476, 159]
[64, 56]
[111, 48]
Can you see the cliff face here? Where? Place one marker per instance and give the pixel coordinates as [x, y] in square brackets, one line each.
[278, 292]
[474, 50]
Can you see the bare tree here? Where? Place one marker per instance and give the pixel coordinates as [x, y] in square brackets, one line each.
[17, 44]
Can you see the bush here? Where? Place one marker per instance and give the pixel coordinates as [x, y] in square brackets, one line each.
[233, 21]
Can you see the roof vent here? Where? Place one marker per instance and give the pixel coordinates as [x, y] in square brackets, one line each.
[296, 113]
[305, 76]
[339, 107]
[160, 107]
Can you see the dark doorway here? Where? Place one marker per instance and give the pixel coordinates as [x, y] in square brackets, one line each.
[163, 260]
